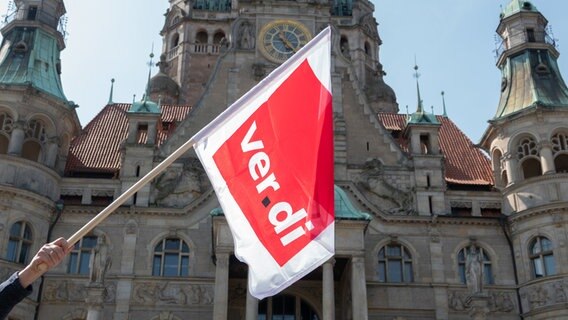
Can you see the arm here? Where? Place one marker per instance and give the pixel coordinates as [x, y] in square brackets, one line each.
[18, 286]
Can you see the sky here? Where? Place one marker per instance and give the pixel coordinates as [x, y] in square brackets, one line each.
[451, 41]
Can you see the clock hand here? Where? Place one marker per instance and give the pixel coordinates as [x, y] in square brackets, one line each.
[286, 42]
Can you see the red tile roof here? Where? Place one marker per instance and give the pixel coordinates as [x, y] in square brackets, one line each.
[465, 164]
[97, 148]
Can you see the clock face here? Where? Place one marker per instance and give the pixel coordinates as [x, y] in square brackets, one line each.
[282, 38]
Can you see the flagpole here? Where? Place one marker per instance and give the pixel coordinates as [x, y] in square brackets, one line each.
[96, 220]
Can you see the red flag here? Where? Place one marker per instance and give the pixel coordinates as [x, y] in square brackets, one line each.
[269, 157]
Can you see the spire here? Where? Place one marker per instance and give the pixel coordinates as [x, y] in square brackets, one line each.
[419, 108]
[530, 76]
[445, 114]
[146, 105]
[111, 90]
[150, 64]
[420, 116]
[30, 36]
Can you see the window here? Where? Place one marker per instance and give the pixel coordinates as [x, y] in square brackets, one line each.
[560, 152]
[218, 37]
[35, 137]
[395, 264]
[487, 269]
[527, 153]
[171, 258]
[285, 307]
[175, 41]
[20, 243]
[6, 126]
[80, 256]
[542, 258]
[32, 12]
[530, 35]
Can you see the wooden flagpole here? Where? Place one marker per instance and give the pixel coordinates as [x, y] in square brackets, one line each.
[96, 220]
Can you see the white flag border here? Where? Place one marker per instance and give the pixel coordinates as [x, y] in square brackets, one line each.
[209, 140]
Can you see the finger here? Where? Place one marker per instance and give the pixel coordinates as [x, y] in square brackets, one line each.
[61, 242]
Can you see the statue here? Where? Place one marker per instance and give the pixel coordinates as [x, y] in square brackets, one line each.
[100, 261]
[474, 270]
[246, 36]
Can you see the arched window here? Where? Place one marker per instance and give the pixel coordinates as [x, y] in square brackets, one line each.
[20, 242]
[560, 152]
[285, 307]
[201, 37]
[81, 255]
[219, 35]
[6, 126]
[35, 137]
[487, 269]
[344, 46]
[367, 48]
[395, 264]
[542, 257]
[527, 153]
[171, 258]
[174, 40]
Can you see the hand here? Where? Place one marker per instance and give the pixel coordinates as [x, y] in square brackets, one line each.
[286, 42]
[48, 256]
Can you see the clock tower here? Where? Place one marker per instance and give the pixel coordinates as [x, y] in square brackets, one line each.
[214, 51]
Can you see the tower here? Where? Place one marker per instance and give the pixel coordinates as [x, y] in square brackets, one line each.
[527, 142]
[422, 131]
[37, 123]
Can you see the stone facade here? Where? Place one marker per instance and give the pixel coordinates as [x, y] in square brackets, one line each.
[407, 233]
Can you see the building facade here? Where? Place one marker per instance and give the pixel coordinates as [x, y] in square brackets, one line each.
[427, 225]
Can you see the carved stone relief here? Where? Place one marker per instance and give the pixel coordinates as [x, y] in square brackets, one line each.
[378, 190]
[71, 291]
[178, 187]
[544, 294]
[165, 293]
[499, 301]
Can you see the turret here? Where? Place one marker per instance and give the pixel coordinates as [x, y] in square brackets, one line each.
[526, 136]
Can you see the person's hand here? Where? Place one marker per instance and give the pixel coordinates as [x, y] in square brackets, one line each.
[48, 256]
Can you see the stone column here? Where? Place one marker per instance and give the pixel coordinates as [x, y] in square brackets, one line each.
[252, 307]
[52, 149]
[511, 164]
[221, 286]
[94, 300]
[125, 284]
[546, 158]
[17, 139]
[328, 295]
[358, 288]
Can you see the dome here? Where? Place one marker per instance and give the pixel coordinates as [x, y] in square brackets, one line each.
[145, 106]
[516, 6]
[162, 85]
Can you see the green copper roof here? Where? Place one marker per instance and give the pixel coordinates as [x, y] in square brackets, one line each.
[145, 106]
[31, 57]
[343, 208]
[530, 79]
[516, 6]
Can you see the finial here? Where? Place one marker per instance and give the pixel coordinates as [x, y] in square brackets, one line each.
[150, 64]
[432, 108]
[133, 98]
[444, 105]
[111, 90]
[419, 108]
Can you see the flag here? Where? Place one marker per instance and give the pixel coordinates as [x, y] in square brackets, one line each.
[269, 157]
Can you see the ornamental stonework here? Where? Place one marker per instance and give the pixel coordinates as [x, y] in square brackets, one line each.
[166, 293]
